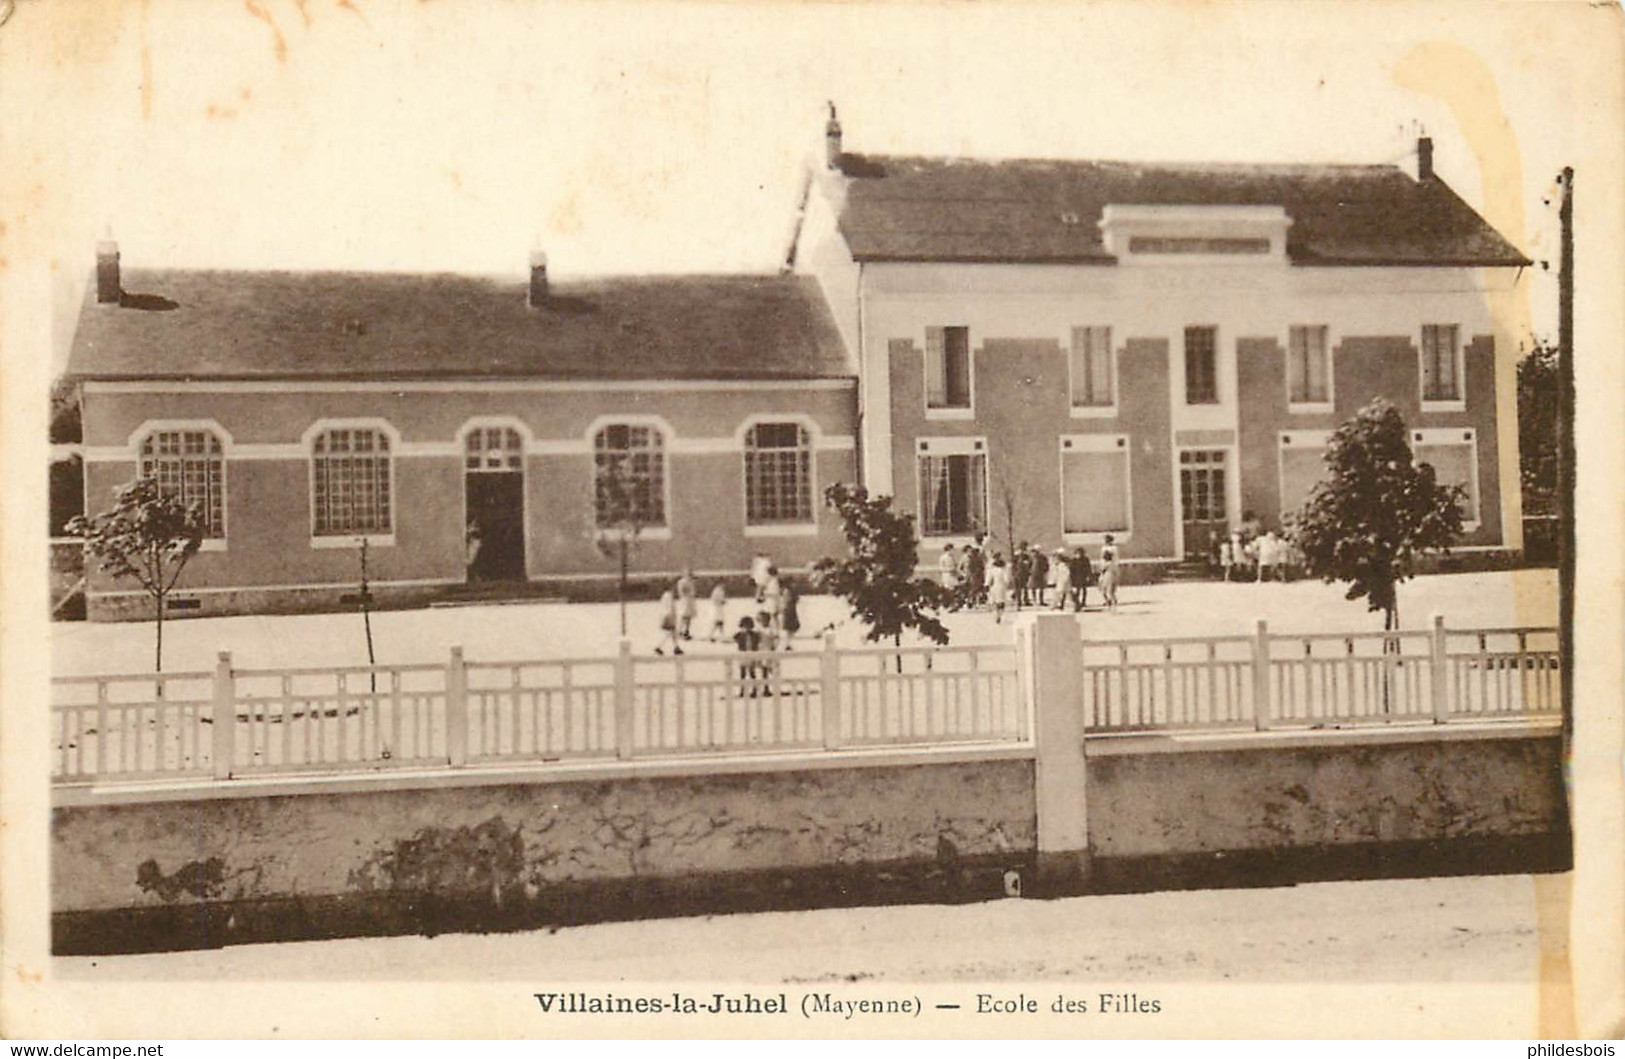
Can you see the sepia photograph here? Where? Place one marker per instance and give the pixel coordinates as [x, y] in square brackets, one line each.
[781, 519]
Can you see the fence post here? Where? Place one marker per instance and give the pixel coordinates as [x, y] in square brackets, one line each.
[224, 717]
[1263, 713]
[1440, 674]
[624, 691]
[457, 709]
[1059, 766]
[829, 693]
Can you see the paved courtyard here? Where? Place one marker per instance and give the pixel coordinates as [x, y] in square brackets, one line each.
[559, 630]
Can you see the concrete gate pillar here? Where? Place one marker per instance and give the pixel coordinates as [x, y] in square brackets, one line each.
[1055, 645]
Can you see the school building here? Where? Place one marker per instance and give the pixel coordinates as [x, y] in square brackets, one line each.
[1081, 348]
[1155, 351]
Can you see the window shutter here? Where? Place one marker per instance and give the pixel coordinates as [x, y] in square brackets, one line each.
[936, 375]
[1301, 470]
[1453, 465]
[1094, 492]
[1316, 363]
[1101, 355]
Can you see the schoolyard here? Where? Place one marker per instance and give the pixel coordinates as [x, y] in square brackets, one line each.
[509, 632]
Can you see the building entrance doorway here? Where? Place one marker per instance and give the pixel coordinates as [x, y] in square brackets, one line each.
[494, 496]
[1202, 500]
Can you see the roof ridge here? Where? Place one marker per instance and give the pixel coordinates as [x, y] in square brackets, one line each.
[1126, 163]
[497, 277]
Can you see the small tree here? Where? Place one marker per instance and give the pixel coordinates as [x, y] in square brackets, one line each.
[1007, 501]
[366, 611]
[148, 536]
[1376, 512]
[877, 577]
[618, 518]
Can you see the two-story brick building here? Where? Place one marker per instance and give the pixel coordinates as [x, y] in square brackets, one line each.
[1149, 351]
[1156, 350]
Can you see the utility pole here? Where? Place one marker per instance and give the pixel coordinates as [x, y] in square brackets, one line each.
[1565, 448]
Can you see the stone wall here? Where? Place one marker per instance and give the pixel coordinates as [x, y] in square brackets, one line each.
[201, 872]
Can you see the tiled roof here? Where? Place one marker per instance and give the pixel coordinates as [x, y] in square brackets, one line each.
[248, 325]
[940, 209]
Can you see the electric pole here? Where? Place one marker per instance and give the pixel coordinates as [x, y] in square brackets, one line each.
[1565, 448]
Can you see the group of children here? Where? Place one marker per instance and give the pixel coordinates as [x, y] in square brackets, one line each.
[979, 578]
[1249, 555]
[777, 614]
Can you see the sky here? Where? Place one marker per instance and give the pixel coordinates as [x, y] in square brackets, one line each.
[441, 136]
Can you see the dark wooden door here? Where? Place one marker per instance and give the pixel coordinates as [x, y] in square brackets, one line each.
[496, 506]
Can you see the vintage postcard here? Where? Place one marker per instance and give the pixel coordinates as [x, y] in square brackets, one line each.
[789, 519]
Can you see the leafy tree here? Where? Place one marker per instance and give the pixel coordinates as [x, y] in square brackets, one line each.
[619, 518]
[1376, 512]
[1538, 387]
[148, 536]
[877, 577]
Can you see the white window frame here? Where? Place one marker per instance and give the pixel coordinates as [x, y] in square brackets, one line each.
[1185, 367]
[1091, 411]
[158, 426]
[527, 440]
[527, 443]
[814, 442]
[668, 438]
[1449, 404]
[1459, 437]
[952, 446]
[308, 443]
[1098, 443]
[955, 412]
[1311, 407]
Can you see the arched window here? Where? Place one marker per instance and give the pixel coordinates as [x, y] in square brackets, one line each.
[492, 449]
[350, 482]
[629, 475]
[778, 474]
[190, 465]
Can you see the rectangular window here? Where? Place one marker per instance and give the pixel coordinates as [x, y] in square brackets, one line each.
[1201, 365]
[629, 476]
[350, 472]
[1094, 487]
[1092, 385]
[1453, 464]
[947, 367]
[778, 474]
[1307, 366]
[953, 495]
[1441, 362]
[1303, 466]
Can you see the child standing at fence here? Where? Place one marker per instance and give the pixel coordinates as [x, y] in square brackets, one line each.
[1108, 573]
[748, 642]
[719, 612]
[668, 623]
[688, 604]
[1063, 579]
[790, 612]
[998, 586]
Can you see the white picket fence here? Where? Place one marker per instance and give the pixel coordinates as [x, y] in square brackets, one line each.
[1320, 680]
[246, 722]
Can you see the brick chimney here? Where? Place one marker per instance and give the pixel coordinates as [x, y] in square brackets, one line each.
[538, 279]
[832, 140]
[108, 287]
[1424, 158]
